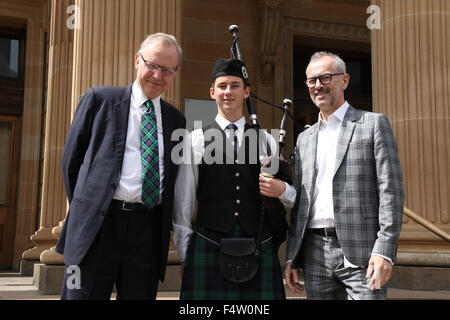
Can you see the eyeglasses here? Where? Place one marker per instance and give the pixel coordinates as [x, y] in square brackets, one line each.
[323, 78]
[166, 71]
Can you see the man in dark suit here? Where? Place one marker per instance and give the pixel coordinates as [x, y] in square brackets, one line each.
[119, 180]
[347, 217]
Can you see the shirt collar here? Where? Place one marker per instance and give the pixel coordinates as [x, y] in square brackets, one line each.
[140, 97]
[222, 122]
[339, 114]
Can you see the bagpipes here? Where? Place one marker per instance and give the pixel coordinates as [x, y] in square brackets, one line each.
[274, 211]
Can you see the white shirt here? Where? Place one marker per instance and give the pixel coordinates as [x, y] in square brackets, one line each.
[322, 210]
[186, 184]
[130, 184]
[322, 213]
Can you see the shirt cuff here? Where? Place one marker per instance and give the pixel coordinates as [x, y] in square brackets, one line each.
[287, 198]
[181, 235]
[384, 257]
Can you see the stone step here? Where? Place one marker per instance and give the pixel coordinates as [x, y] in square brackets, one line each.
[412, 283]
[420, 278]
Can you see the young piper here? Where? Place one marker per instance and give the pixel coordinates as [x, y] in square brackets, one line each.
[229, 198]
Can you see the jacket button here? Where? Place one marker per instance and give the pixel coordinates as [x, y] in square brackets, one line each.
[237, 174]
[236, 214]
[238, 201]
[238, 188]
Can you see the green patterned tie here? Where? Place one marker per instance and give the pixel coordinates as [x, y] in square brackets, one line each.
[149, 156]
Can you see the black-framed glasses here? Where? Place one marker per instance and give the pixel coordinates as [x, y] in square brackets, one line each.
[165, 71]
[323, 78]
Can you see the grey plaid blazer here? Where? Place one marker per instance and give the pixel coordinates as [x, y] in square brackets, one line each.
[368, 193]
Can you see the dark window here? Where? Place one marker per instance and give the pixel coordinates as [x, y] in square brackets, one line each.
[9, 57]
[357, 58]
[12, 70]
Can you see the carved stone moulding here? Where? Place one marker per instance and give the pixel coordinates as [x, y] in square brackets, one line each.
[326, 29]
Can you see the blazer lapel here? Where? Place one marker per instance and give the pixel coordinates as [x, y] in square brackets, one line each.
[121, 113]
[310, 157]
[345, 136]
[167, 133]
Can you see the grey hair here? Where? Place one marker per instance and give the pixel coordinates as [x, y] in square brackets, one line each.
[338, 63]
[164, 38]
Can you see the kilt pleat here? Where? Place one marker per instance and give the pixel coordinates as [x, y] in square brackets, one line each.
[202, 279]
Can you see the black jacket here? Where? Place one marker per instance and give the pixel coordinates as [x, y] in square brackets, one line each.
[92, 162]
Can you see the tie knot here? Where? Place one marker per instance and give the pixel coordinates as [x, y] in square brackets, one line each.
[148, 105]
[231, 126]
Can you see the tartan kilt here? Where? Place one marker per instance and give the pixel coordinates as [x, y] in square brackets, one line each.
[203, 280]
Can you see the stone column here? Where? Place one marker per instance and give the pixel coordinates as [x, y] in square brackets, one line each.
[411, 81]
[109, 36]
[53, 201]
[28, 190]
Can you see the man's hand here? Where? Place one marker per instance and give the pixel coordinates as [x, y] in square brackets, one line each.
[380, 270]
[291, 276]
[271, 187]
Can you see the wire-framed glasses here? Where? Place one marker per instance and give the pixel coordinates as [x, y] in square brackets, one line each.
[166, 71]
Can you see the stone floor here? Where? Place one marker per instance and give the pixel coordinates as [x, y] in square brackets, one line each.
[13, 286]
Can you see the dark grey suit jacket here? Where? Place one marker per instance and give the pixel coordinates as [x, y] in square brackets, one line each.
[92, 162]
[368, 193]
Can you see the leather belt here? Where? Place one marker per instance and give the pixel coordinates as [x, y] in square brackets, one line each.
[324, 232]
[130, 206]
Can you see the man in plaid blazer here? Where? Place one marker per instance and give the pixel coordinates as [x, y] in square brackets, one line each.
[348, 212]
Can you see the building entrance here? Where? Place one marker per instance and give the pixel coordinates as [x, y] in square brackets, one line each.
[358, 60]
[12, 50]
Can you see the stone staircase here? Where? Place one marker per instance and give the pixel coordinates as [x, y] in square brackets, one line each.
[407, 283]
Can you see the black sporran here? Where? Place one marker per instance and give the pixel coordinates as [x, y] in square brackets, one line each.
[238, 262]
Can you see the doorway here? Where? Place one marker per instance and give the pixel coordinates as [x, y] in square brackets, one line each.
[12, 61]
[9, 163]
[356, 55]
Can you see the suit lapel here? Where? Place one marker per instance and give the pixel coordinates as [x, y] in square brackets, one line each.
[121, 113]
[167, 131]
[310, 157]
[345, 136]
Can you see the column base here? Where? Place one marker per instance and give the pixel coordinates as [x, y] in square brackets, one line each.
[43, 240]
[27, 267]
[51, 257]
[48, 279]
